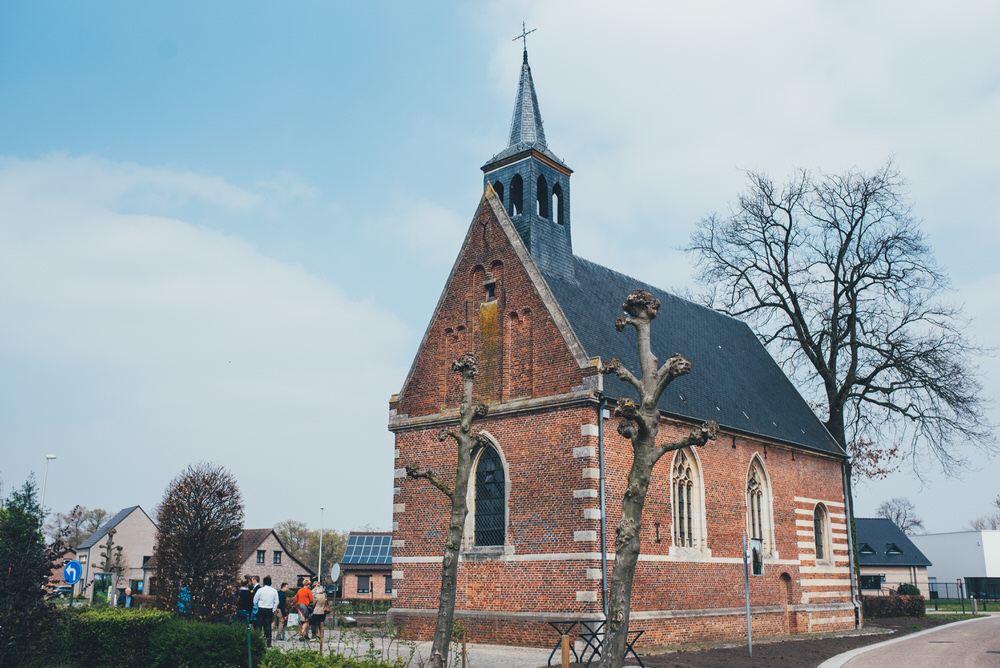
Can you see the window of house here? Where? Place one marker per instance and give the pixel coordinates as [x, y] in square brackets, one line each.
[364, 584]
[866, 549]
[821, 533]
[260, 556]
[277, 558]
[83, 558]
[871, 581]
[892, 549]
[490, 493]
[688, 502]
[388, 584]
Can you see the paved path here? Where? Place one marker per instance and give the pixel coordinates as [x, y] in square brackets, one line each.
[973, 643]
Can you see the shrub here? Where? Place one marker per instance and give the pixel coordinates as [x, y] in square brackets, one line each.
[907, 589]
[181, 642]
[121, 638]
[893, 606]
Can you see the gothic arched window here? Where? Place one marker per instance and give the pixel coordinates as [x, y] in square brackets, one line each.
[557, 203]
[516, 195]
[498, 189]
[490, 491]
[688, 502]
[821, 533]
[542, 197]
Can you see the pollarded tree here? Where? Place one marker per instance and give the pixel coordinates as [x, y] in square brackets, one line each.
[198, 538]
[466, 441]
[903, 514]
[839, 283]
[640, 424]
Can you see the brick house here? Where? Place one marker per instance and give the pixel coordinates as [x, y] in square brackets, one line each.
[263, 553]
[545, 495]
[366, 568]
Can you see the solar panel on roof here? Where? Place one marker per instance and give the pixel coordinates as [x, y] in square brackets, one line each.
[368, 550]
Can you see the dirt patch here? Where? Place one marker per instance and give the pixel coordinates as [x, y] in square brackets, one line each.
[783, 651]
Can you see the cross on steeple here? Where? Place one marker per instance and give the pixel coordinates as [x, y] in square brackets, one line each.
[524, 38]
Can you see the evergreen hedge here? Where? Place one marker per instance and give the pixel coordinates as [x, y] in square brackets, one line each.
[120, 638]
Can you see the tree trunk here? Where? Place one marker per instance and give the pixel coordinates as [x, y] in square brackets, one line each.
[449, 565]
[627, 547]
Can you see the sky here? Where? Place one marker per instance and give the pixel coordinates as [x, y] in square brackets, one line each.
[224, 226]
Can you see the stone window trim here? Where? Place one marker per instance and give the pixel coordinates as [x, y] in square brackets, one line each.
[822, 538]
[759, 499]
[276, 558]
[470, 551]
[261, 555]
[688, 535]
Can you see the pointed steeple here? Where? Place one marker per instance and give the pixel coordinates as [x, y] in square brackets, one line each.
[533, 184]
[526, 126]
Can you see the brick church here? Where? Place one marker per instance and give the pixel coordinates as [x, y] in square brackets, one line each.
[546, 491]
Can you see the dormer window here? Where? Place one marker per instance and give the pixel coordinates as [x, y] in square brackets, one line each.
[892, 549]
[866, 549]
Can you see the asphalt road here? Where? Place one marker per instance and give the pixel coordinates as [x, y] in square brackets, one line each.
[970, 644]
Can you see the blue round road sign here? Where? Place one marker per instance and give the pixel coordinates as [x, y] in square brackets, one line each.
[72, 571]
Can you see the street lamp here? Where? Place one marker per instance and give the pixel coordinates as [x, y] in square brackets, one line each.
[45, 480]
[319, 566]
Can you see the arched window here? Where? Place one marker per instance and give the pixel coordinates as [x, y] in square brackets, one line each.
[542, 197]
[489, 499]
[821, 533]
[516, 195]
[489, 489]
[498, 189]
[688, 502]
[759, 516]
[557, 204]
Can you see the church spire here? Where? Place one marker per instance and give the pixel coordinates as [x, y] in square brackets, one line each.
[526, 125]
[533, 184]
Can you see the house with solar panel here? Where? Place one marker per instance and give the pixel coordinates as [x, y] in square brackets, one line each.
[548, 478]
[366, 568]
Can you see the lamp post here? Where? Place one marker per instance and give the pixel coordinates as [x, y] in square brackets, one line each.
[45, 480]
[319, 566]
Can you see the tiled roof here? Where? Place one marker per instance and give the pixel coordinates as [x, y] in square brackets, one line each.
[102, 531]
[882, 543]
[733, 379]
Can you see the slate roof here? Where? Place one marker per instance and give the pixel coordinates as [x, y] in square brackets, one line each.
[881, 535]
[102, 531]
[733, 379]
[526, 131]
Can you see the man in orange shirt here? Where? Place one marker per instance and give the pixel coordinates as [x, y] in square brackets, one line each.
[303, 598]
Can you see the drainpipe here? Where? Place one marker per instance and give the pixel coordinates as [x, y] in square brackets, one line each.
[845, 469]
[604, 542]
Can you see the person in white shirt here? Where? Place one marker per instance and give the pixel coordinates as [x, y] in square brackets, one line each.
[265, 600]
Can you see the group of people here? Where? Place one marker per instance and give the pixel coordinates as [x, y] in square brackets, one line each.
[265, 607]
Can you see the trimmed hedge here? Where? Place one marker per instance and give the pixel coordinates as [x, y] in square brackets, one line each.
[120, 638]
[893, 606]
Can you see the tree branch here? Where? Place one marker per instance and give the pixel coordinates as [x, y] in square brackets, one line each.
[431, 477]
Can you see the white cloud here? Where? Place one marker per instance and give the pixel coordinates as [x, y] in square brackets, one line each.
[168, 343]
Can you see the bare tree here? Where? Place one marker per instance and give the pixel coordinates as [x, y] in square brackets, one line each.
[988, 521]
[92, 521]
[69, 524]
[840, 284]
[902, 512]
[640, 424]
[466, 441]
[303, 543]
[198, 539]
